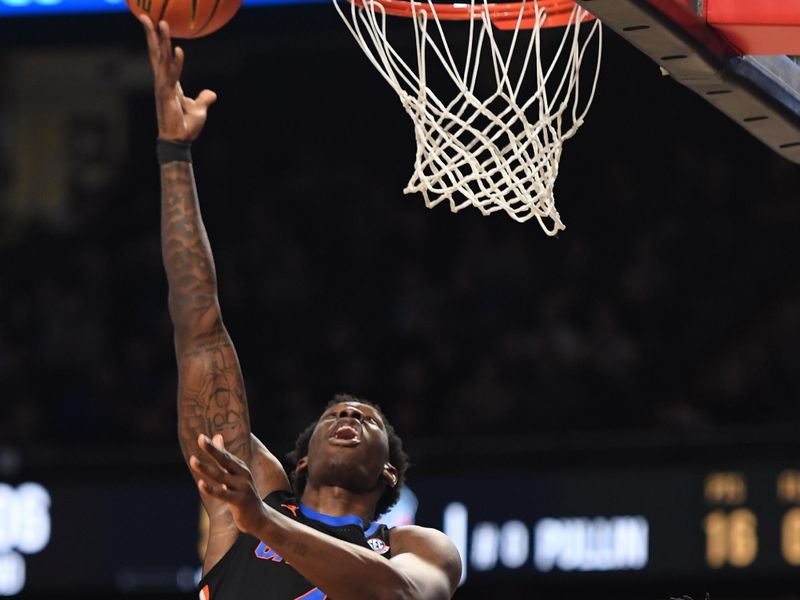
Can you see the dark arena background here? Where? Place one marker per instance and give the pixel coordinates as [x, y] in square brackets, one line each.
[612, 413]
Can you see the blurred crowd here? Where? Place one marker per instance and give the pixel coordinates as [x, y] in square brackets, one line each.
[669, 303]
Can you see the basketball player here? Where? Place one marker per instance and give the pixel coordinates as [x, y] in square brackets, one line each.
[319, 540]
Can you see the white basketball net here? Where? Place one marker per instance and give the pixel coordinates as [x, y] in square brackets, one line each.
[499, 152]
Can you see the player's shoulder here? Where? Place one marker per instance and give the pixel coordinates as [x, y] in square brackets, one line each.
[430, 546]
[414, 538]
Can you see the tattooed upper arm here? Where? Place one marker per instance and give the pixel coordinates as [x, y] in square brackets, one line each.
[212, 397]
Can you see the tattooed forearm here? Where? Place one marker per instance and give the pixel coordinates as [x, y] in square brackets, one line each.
[185, 249]
[211, 397]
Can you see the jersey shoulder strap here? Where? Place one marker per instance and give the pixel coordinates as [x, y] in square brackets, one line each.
[285, 502]
[374, 535]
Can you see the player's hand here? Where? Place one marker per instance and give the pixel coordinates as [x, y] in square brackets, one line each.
[180, 118]
[222, 475]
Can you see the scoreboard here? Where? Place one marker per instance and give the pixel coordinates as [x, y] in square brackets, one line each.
[612, 525]
[623, 523]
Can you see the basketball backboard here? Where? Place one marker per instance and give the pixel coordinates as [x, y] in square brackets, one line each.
[739, 55]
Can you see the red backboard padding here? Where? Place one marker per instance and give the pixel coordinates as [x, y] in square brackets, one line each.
[757, 26]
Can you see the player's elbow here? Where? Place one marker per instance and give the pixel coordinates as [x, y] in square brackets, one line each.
[179, 313]
[193, 318]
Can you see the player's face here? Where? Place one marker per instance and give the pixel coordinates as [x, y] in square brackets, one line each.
[350, 448]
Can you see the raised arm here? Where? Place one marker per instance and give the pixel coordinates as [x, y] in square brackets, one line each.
[211, 393]
[211, 397]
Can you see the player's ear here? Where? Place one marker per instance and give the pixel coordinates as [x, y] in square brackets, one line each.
[301, 465]
[390, 475]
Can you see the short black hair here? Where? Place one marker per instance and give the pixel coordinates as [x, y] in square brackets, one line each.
[397, 456]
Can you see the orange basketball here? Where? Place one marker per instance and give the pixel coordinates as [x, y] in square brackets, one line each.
[187, 18]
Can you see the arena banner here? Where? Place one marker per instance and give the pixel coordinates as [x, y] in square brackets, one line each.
[85, 532]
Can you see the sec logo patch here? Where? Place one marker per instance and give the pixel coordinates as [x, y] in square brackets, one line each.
[378, 545]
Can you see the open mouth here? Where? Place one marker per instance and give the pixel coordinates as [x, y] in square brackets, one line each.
[345, 434]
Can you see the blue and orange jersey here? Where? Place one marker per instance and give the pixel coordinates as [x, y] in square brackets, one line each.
[251, 570]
